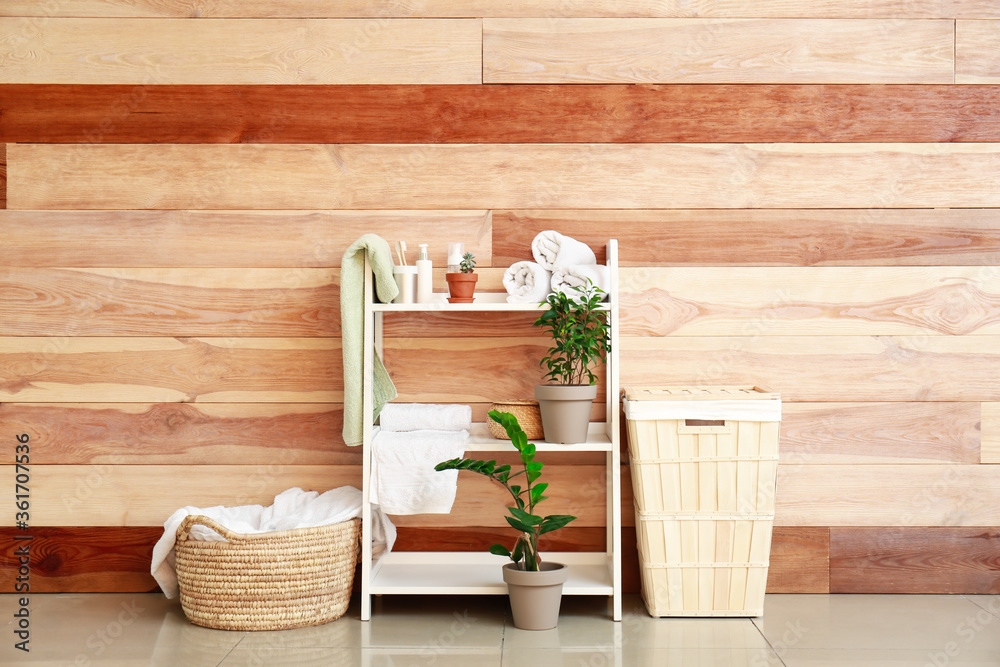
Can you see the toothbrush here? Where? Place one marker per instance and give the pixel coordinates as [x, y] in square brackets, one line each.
[402, 252]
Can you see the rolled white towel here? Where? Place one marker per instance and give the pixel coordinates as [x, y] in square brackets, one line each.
[425, 416]
[526, 282]
[565, 278]
[552, 250]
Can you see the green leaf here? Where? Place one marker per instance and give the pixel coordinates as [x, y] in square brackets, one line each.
[526, 517]
[523, 527]
[554, 522]
[537, 491]
[499, 550]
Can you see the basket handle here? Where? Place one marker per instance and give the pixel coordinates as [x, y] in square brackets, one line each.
[192, 520]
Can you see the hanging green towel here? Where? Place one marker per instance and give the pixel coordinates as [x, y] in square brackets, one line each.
[352, 322]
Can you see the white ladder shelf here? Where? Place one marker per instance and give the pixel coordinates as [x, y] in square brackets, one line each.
[478, 573]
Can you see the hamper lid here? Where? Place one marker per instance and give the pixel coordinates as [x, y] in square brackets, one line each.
[737, 403]
[682, 393]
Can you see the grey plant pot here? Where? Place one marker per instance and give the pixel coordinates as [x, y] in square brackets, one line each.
[565, 411]
[535, 597]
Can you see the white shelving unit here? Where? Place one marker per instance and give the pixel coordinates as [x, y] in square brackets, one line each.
[478, 573]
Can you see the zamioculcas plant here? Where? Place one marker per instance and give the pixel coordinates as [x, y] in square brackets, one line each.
[527, 493]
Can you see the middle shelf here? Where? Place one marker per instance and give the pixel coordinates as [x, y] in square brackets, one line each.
[480, 440]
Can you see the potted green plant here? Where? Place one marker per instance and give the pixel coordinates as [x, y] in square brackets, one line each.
[462, 285]
[580, 329]
[534, 587]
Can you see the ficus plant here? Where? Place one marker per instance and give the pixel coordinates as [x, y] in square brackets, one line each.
[579, 329]
[526, 493]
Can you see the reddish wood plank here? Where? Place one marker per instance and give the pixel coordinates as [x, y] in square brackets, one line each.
[931, 560]
[92, 559]
[800, 560]
[116, 559]
[747, 237]
[181, 433]
[171, 302]
[498, 114]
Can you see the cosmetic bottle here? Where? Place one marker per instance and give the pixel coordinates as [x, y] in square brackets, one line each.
[456, 249]
[425, 276]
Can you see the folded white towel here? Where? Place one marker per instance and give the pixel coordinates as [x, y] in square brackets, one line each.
[565, 278]
[403, 477]
[526, 282]
[425, 416]
[552, 250]
[293, 508]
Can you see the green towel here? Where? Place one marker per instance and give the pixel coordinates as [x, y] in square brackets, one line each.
[352, 322]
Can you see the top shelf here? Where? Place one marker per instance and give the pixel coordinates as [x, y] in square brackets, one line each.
[485, 302]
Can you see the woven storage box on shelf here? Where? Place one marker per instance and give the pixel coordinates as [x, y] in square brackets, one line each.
[267, 581]
[528, 416]
[704, 463]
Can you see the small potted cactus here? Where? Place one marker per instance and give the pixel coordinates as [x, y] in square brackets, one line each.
[462, 285]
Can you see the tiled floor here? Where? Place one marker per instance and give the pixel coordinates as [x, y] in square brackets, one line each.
[795, 631]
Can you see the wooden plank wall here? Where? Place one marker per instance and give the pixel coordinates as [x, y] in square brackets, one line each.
[806, 195]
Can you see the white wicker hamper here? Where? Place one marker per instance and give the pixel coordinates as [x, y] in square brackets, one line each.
[704, 463]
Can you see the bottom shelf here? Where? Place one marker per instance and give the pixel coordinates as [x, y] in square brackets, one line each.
[477, 573]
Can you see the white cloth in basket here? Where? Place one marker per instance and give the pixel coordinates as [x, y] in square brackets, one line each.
[293, 508]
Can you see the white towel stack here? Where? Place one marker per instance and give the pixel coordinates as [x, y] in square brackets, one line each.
[560, 263]
[413, 439]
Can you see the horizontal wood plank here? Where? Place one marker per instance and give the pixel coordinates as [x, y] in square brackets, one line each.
[504, 368]
[248, 176]
[151, 370]
[237, 51]
[822, 368]
[536, 113]
[831, 237]
[803, 301]
[557, 50]
[91, 559]
[143, 495]
[800, 560]
[233, 239]
[930, 561]
[990, 449]
[888, 495]
[849, 433]
[539, 8]
[181, 433]
[977, 52]
[146, 495]
[292, 302]
[115, 559]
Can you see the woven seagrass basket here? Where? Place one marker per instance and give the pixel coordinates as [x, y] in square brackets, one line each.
[528, 416]
[267, 581]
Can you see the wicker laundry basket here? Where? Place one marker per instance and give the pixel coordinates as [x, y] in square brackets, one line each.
[267, 581]
[528, 416]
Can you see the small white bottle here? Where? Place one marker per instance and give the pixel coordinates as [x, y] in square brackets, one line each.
[456, 250]
[425, 276]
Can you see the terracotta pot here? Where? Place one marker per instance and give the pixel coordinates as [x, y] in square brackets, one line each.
[565, 411]
[535, 596]
[461, 286]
